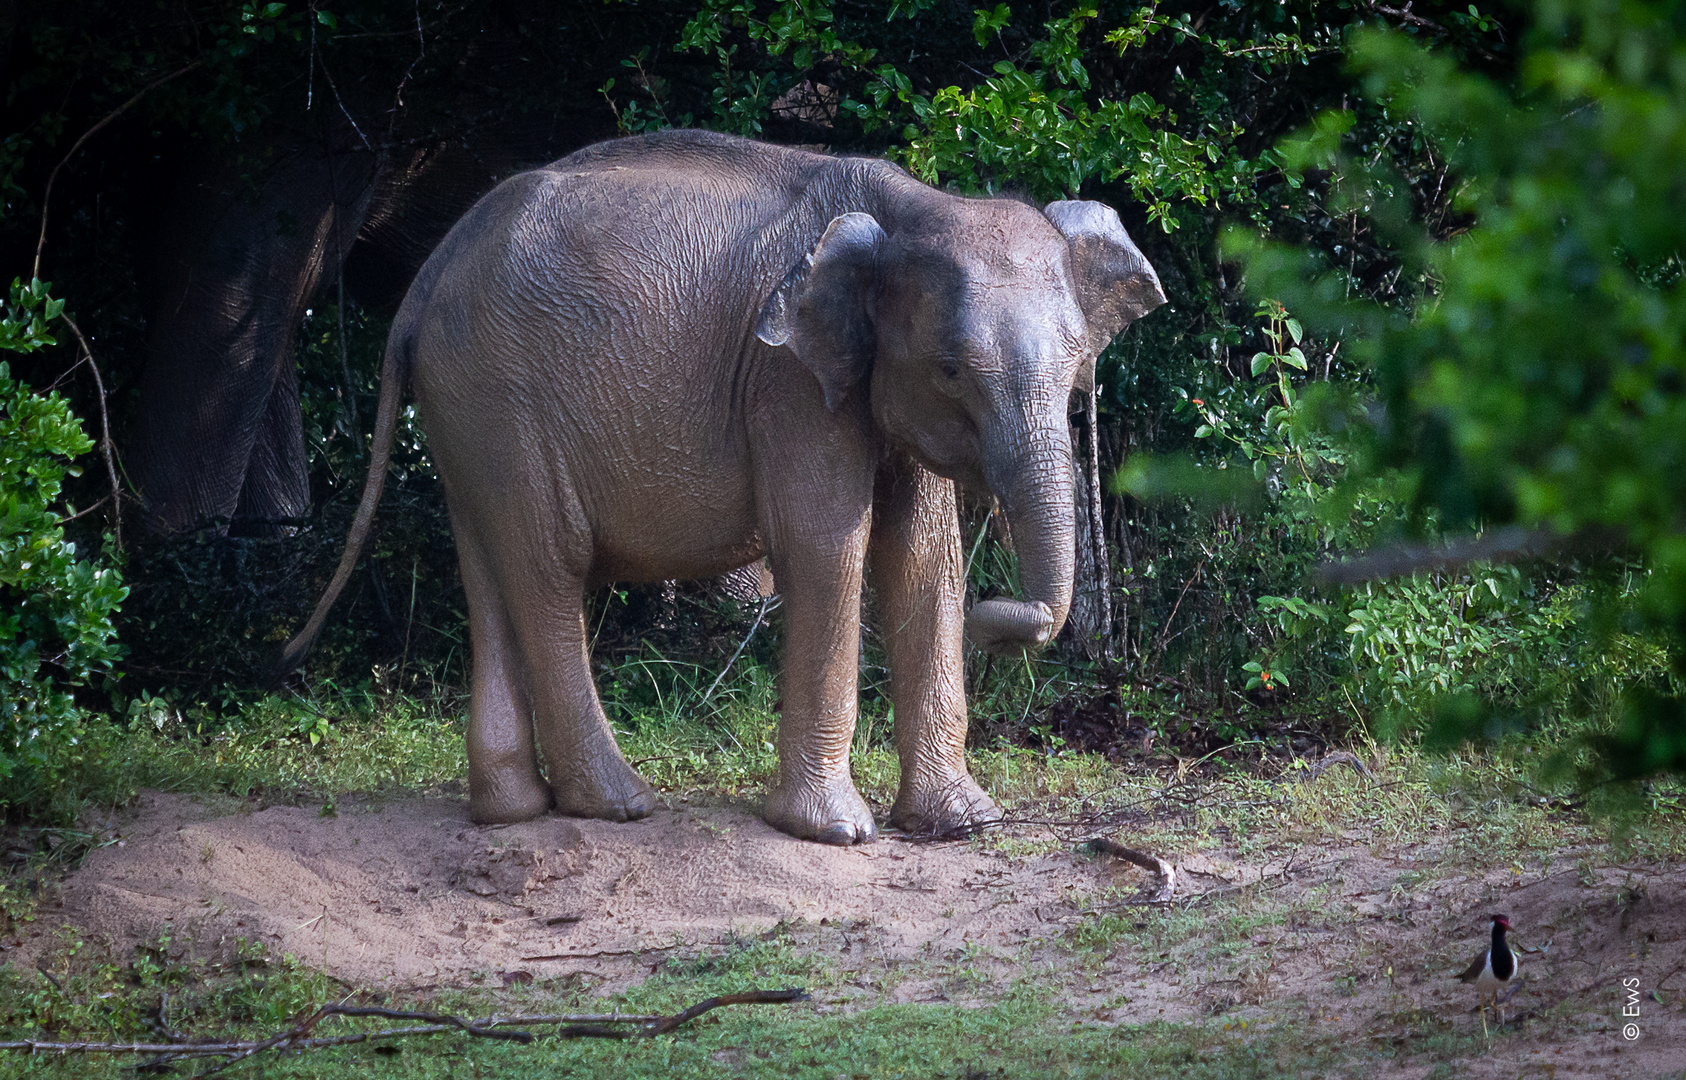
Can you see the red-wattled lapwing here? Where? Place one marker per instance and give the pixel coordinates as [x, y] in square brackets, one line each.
[1492, 970]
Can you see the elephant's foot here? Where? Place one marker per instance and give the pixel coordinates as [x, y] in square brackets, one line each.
[506, 795]
[609, 790]
[942, 805]
[830, 811]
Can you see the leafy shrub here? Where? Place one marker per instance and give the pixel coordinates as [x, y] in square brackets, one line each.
[55, 608]
[1542, 388]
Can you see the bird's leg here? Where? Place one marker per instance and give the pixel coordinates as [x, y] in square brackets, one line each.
[1483, 1007]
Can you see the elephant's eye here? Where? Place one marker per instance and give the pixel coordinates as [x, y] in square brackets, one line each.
[951, 370]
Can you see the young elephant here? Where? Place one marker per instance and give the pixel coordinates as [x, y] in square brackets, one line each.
[667, 356]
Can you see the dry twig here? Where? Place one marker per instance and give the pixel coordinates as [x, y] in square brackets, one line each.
[107, 451]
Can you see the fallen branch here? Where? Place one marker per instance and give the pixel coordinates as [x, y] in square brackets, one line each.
[1167, 873]
[301, 1035]
[616, 952]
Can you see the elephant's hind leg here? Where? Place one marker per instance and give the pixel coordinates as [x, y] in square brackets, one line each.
[588, 775]
[504, 784]
[917, 573]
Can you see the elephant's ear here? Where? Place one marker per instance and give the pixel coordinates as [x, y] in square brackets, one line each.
[1115, 284]
[821, 309]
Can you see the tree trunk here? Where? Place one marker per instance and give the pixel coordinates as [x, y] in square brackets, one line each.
[1115, 444]
[1091, 600]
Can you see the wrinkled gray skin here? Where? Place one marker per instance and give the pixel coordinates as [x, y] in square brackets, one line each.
[667, 356]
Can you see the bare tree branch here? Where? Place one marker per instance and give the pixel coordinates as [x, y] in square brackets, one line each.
[300, 1037]
[52, 178]
[106, 449]
[1512, 543]
[1411, 18]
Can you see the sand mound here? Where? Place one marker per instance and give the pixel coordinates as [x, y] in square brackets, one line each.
[409, 892]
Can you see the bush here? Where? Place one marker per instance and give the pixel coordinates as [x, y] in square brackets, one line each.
[55, 608]
[1540, 385]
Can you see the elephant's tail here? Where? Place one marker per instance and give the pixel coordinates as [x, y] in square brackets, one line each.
[394, 375]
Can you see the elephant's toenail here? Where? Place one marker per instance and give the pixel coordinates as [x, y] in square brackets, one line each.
[842, 833]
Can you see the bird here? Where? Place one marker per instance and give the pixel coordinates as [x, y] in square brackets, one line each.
[1492, 970]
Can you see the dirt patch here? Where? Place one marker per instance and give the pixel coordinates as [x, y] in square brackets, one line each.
[410, 892]
[1349, 936]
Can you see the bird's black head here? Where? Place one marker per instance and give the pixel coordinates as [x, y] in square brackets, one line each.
[1502, 920]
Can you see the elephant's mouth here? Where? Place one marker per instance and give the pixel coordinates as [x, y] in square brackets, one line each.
[967, 476]
[953, 456]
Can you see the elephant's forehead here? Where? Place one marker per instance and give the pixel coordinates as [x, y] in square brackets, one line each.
[987, 287]
[986, 317]
[1006, 258]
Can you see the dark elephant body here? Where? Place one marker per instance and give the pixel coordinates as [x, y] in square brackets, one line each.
[668, 356]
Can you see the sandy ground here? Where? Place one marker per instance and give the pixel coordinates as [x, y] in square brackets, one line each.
[411, 893]
[1351, 938]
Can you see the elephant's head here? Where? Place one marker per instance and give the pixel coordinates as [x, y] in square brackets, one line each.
[969, 322]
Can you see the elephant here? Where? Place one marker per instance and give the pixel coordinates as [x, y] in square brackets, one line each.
[670, 355]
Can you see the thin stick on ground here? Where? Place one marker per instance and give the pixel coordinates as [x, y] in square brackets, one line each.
[300, 1036]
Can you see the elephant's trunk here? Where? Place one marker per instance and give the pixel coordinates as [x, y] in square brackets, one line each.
[1036, 495]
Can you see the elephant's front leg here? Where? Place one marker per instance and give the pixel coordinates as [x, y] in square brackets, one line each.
[818, 571]
[918, 575]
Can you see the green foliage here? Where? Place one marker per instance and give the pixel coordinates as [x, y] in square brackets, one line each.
[55, 608]
[1261, 456]
[79, 987]
[1496, 632]
[1543, 382]
[1040, 123]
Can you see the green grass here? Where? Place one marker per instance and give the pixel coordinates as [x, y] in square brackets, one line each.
[333, 743]
[1025, 1033]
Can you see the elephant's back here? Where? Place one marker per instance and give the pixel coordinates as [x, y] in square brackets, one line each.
[598, 312]
[651, 246]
